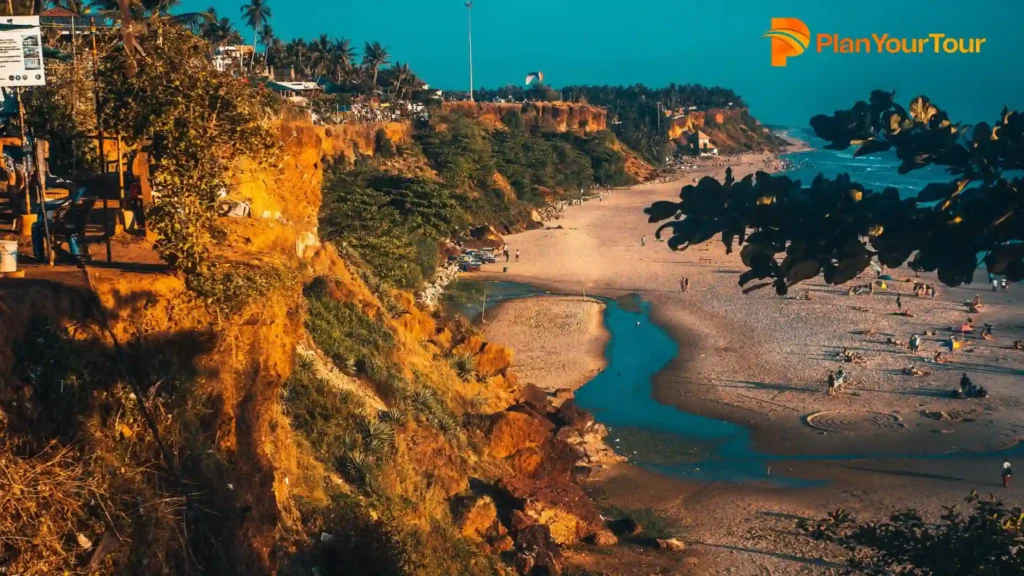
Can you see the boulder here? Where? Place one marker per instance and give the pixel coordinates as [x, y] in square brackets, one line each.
[569, 414]
[581, 472]
[671, 544]
[477, 517]
[625, 527]
[560, 395]
[511, 432]
[486, 237]
[529, 410]
[527, 461]
[535, 398]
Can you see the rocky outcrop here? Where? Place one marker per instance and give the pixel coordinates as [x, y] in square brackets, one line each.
[511, 432]
[557, 117]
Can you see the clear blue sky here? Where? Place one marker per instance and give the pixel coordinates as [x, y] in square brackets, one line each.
[660, 41]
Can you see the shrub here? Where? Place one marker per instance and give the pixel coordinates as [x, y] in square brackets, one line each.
[382, 145]
[228, 288]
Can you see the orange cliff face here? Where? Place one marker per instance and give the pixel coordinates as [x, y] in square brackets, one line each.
[557, 117]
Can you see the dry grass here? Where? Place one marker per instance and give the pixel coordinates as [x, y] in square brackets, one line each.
[44, 525]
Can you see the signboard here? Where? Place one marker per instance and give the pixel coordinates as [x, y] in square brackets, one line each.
[21, 52]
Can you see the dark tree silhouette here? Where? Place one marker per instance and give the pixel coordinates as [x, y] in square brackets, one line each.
[836, 227]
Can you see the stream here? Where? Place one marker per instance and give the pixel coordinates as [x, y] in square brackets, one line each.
[658, 436]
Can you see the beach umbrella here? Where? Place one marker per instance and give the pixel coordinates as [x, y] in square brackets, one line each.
[886, 277]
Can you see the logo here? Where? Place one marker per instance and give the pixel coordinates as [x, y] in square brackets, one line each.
[790, 37]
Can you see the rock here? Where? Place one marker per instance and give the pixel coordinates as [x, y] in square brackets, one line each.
[535, 398]
[604, 538]
[529, 410]
[581, 472]
[477, 517]
[560, 395]
[520, 520]
[510, 432]
[533, 537]
[503, 544]
[625, 527]
[569, 414]
[526, 461]
[671, 544]
[486, 237]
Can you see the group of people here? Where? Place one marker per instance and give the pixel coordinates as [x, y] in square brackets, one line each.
[505, 252]
[836, 381]
[998, 283]
[922, 290]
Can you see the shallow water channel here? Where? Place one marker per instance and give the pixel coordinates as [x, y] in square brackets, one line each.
[659, 436]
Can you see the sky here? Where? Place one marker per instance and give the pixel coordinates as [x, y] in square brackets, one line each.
[656, 42]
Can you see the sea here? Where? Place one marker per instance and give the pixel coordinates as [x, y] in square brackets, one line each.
[875, 171]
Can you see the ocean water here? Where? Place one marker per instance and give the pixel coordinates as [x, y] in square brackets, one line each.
[874, 171]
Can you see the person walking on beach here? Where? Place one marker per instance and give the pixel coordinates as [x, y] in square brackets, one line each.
[1007, 473]
[517, 254]
[504, 249]
[915, 343]
[643, 241]
[899, 303]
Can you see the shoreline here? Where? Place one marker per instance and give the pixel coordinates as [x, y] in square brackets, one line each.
[759, 361]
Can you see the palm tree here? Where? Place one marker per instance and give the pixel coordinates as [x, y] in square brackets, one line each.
[402, 79]
[267, 36]
[374, 56]
[342, 55]
[77, 6]
[256, 13]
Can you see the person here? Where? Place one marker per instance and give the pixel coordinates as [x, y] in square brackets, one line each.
[831, 382]
[939, 358]
[915, 343]
[840, 377]
[1007, 472]
[965, 385]
[643, 241]
[505, 250]
[976, 302]
[995, 282]
[682, 284]
[1002, 283]
[899, 302]
[517, 254]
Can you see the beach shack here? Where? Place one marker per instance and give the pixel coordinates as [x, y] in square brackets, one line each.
[701, 144]
[230, 57]
[295, 92]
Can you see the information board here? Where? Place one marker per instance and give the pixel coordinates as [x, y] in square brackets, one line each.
[21, 52]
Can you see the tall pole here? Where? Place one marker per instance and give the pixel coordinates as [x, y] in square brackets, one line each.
[469, 13]
[99, 130]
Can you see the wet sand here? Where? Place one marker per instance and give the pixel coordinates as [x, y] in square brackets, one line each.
[760, 360]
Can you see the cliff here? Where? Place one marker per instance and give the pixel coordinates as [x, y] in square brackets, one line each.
[559, 117]
[731, 130]
[292, 415]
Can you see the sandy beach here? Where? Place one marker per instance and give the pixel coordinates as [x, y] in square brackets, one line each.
[761, 360]
[569, 360]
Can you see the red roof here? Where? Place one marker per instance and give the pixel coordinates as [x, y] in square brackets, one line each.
[59, 12]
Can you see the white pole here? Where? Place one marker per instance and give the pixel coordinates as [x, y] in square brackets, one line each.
[469, 13]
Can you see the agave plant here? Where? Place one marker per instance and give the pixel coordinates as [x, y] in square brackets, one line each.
[464, 366]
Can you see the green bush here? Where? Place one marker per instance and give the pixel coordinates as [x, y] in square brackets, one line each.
[382, 145]
[227, 288]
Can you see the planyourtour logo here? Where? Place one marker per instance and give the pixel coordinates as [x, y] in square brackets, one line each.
[791, 37]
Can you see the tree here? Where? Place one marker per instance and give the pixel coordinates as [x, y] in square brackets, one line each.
[193, 129]
[402, 79]
[836, 227]
[989, 540]
[374, 56]
[255, 13]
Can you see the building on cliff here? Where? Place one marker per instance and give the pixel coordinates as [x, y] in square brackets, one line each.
[701, 144]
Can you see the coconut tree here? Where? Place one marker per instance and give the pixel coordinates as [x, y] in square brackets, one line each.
[402, 79]
[255, 13]
[374, 56]
[341, 57]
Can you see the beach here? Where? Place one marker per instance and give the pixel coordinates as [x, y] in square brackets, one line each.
[569, 360]
[760, 360]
